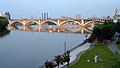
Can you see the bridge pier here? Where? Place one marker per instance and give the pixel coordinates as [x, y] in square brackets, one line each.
[39, 23]
[82, 22]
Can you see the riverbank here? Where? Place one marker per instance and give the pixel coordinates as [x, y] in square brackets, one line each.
[74, 53]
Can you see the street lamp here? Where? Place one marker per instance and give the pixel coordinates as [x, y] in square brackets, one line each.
[64, 47]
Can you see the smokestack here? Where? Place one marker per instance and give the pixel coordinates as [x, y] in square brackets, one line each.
[42, 16]
[47, 15]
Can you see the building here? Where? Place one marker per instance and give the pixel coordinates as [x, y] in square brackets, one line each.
[67, 18]
[78, 16]
[116, 16]
[93, 18]
[45, 16]
[0, 14]
[106, 18]
[6, 14]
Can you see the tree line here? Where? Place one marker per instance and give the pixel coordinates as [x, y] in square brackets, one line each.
[104, 31]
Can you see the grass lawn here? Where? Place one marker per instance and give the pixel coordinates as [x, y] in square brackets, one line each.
[104, 54]
[118, 46]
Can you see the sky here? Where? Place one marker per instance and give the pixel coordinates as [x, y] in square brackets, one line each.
[58, 8]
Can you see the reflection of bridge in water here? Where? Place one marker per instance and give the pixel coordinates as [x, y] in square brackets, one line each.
[43, 29]
[61, 25]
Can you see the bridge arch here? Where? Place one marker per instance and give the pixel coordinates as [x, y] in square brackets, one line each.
[49, 21]
[69, 21]
[30, 22]
[13, 22]
[89, 22]
[94, 21]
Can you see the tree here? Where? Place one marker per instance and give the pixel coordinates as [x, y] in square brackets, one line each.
[98, 32]
[104, 31]
[118, 27]
[3, 23]
[109, 30]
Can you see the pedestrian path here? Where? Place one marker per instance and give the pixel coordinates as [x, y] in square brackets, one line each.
[113, 46]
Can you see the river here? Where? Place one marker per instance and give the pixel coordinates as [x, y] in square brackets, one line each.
[24, 49]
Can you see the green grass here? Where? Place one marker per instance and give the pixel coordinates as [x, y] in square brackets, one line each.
[104, 54]
[118, 46]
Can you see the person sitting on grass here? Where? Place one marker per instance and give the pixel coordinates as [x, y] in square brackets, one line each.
[96, 58]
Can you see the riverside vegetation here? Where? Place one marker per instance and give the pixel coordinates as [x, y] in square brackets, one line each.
[3, 24]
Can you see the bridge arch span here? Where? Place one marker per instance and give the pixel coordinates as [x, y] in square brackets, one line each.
[69, 21]
[49, 21]
[89, 22]
[13, 22]
[29, 22]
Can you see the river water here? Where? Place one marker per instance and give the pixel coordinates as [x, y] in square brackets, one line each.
[24, 49]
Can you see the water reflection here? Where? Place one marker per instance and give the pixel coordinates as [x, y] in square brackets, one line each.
[4, 33]
[51, 28]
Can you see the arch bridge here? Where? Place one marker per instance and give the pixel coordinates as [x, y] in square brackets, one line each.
[57, 22]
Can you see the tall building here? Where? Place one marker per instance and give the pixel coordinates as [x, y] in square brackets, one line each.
[116, 12]
[116, 16]
[42, 16]
[6, 14]
[45, 16]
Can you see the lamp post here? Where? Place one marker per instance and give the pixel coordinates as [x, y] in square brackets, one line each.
[64, 47]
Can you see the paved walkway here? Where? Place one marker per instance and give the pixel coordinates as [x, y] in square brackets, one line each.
[113, 46]
[74, 53]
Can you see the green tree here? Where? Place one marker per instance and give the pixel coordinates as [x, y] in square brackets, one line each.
[109, 30]
[3, 23]
[118, 27]
[98, 32]
[104, 31]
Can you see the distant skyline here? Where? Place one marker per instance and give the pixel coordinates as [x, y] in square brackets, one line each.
[58, 8]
